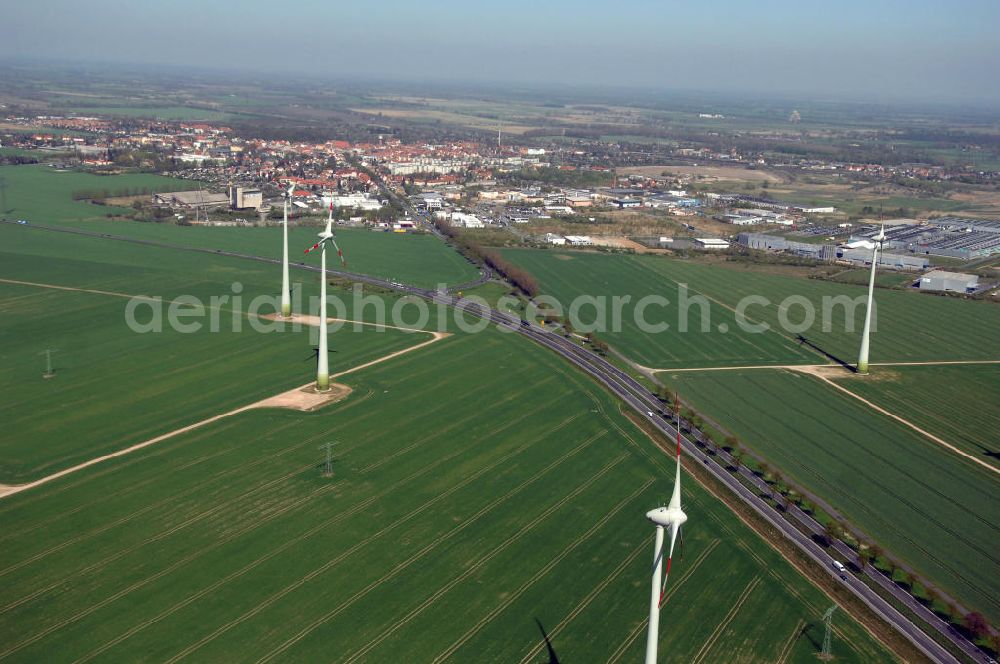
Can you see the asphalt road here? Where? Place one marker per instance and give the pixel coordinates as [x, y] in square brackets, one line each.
[644, 402]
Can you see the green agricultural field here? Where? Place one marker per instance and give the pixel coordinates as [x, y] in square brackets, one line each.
[909, 326]
[884, 279]
[957, 403]
[181, 113]
[481, 490]
[417, 259]
[116, 387]
[927, 506]
[44, 195]
[39, 154]
[567, 275]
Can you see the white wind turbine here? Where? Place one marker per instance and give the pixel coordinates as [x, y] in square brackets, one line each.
[286, 296]
[322, 362]
[863, 356]
[672, 517]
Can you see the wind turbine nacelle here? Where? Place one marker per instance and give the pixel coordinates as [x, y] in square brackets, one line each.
[664, 516]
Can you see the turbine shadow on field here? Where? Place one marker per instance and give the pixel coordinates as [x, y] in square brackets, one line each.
[833, 358]
[553, 657]
[987, 452]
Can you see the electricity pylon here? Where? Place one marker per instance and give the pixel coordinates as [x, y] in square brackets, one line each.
[328, 465]
[49, 373]
[826, 653]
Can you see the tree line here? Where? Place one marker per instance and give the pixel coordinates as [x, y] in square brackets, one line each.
[523, 280]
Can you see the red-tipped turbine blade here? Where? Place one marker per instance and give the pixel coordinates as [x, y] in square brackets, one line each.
[315, 246]
[663, 593]
[339, 252]
[670, 557]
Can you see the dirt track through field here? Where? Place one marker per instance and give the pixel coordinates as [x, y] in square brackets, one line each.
[300, 398]
[822, 371]
[820, 374]
[76, 290]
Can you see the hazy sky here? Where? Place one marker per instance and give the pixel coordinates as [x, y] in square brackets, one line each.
[938, 50]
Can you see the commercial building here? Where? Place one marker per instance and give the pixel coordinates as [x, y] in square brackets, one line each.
[430, 200]
[241, 198]
[762, 242]
[709, 243]
[357, 201]
[956, 237]
[863, 256]
[464, 220]
[191, 199]
[955, 282]
[624, 203]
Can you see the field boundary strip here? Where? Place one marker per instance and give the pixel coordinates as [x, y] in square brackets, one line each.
[75, 289]
[9, 490]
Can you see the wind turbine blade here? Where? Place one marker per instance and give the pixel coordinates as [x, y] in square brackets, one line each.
[339, 252]
[670, 557]
[675, 498]
[313, 248]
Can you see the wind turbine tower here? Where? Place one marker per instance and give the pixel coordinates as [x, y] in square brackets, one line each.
[866, 333]
[322, 361]
[671, 517]
[286, 295]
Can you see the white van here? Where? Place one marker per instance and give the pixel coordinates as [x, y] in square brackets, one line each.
[841, 570]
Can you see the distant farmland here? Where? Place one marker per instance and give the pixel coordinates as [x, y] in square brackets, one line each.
[417, 259]
[43, 195]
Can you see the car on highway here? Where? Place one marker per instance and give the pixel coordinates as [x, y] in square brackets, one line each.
[841, 570]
